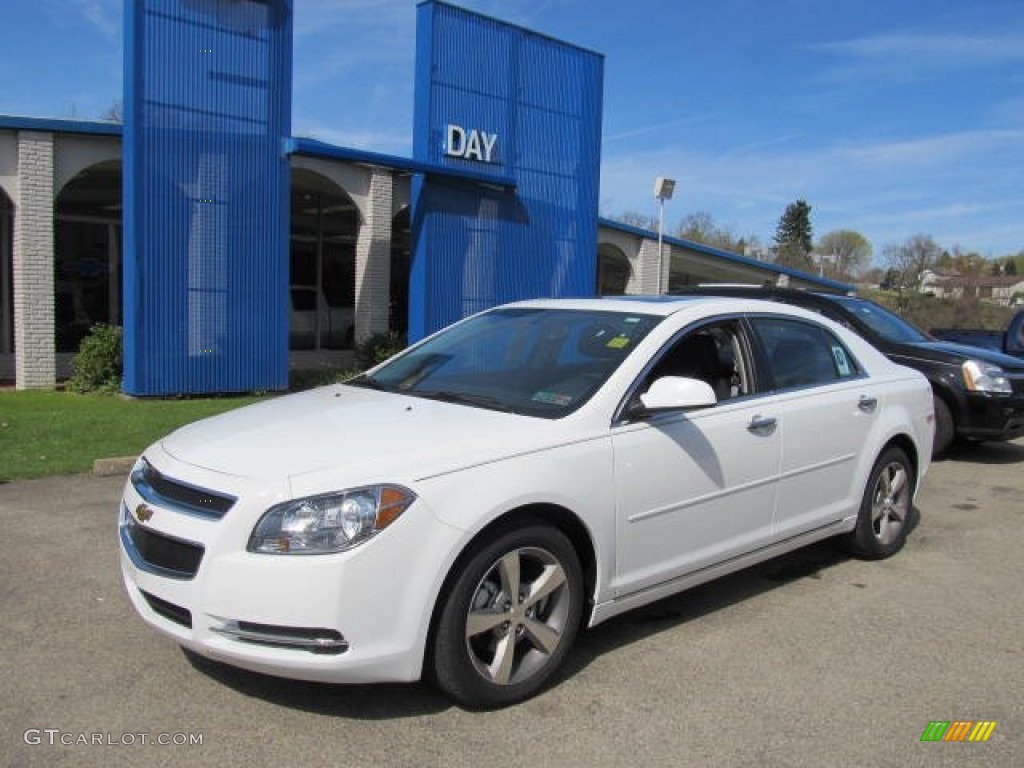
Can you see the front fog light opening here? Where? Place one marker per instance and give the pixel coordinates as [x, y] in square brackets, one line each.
[329, 523]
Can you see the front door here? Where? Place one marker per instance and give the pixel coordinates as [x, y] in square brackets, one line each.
[699, 487]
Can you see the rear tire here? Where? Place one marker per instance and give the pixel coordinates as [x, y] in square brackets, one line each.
[509, 619]
[885, 509]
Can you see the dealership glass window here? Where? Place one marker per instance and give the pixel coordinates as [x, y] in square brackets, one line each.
[87, 254]
[6, 274]
[324, 226]
[613, 271]
[87, 278]
[401, 263]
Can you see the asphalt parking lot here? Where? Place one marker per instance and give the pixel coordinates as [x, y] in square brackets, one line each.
[810, 660]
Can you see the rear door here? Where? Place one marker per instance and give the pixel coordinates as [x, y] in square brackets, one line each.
[824, 405]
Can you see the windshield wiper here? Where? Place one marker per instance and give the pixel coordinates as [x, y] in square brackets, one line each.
[368, 382]
[463, 398]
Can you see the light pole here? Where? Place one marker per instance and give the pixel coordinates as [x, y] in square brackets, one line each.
[663, 189]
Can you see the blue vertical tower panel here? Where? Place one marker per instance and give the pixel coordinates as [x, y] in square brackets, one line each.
[503, 101]
[207, 107]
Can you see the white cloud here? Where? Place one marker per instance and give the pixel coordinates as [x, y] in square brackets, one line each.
[103, 15]
[917, 56]
[955, 186]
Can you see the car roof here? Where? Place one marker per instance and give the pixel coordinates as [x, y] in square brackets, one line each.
[659, 305]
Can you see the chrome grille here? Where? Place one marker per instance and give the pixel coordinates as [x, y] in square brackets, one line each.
[158, 553]
[163, 491]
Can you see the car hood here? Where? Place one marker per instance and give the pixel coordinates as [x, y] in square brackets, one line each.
[951, 352]
[362, 432]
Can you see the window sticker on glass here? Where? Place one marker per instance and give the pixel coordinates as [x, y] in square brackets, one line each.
[842, 363]
[619, 342]
[552, 398]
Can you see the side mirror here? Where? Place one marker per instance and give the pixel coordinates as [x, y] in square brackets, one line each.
[671, 393]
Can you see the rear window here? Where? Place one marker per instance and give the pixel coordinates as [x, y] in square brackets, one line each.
[886, 324]
[802, 354]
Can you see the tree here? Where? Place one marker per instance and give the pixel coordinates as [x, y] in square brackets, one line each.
[637, 219]
[114, 113]
[794, 237]
[910, 259]
[700, 227]
[968, 263]
[873, 276]
[850, 251]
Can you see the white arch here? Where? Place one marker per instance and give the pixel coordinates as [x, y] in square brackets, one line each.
[610, 260]
[353, 180]
[74, 153]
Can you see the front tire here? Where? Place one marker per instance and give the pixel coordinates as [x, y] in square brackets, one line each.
[945, 429]
[509, 619]
[884, 514]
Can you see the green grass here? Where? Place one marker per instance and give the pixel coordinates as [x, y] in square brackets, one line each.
[56, 433]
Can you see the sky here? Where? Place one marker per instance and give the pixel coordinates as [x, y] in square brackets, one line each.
[889, 117]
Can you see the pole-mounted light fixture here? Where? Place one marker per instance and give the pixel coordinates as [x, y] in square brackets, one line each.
[663, 189]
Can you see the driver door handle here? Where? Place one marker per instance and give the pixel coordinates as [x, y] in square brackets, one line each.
[762, 425]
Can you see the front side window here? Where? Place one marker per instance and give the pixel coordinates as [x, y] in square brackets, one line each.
[534, 361]
[802, 354]
[711, 353]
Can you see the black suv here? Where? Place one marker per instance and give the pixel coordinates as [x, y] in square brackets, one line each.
[978, 393]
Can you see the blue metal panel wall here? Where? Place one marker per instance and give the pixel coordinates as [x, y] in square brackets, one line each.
[474, 246]
[207, 108]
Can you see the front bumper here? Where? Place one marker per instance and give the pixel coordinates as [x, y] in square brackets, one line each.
[992, 417]
[353, 617]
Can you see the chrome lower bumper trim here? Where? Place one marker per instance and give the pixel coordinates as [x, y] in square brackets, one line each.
[323, 641]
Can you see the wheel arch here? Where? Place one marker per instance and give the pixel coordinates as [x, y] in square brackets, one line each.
[953, 398]
[906, 444]
[555, 515]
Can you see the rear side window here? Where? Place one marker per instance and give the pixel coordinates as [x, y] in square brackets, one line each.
[802, 354]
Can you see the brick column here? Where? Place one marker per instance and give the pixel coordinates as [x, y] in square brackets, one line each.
[647, 263]
[35, 359]
[373, 259]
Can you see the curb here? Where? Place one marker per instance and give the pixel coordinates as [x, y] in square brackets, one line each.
[120, 465]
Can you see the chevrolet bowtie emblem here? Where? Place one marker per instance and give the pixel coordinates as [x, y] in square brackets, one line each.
[144, 513]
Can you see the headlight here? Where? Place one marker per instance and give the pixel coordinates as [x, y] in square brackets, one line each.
[333, 522]
[985, 377]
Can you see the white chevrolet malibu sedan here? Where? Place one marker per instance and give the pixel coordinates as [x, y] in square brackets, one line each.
[462, 510]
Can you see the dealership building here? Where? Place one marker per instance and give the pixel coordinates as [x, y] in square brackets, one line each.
[230, 250]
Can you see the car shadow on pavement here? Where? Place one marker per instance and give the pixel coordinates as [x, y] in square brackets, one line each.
[672, 612]
[395, 701]
[985, 453]
[357, 702]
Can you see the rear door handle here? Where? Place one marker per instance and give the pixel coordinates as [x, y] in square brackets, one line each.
[762, 425]
[867, 404]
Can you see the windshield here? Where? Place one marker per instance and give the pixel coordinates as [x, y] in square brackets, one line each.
[539, 362]
[889, 326]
